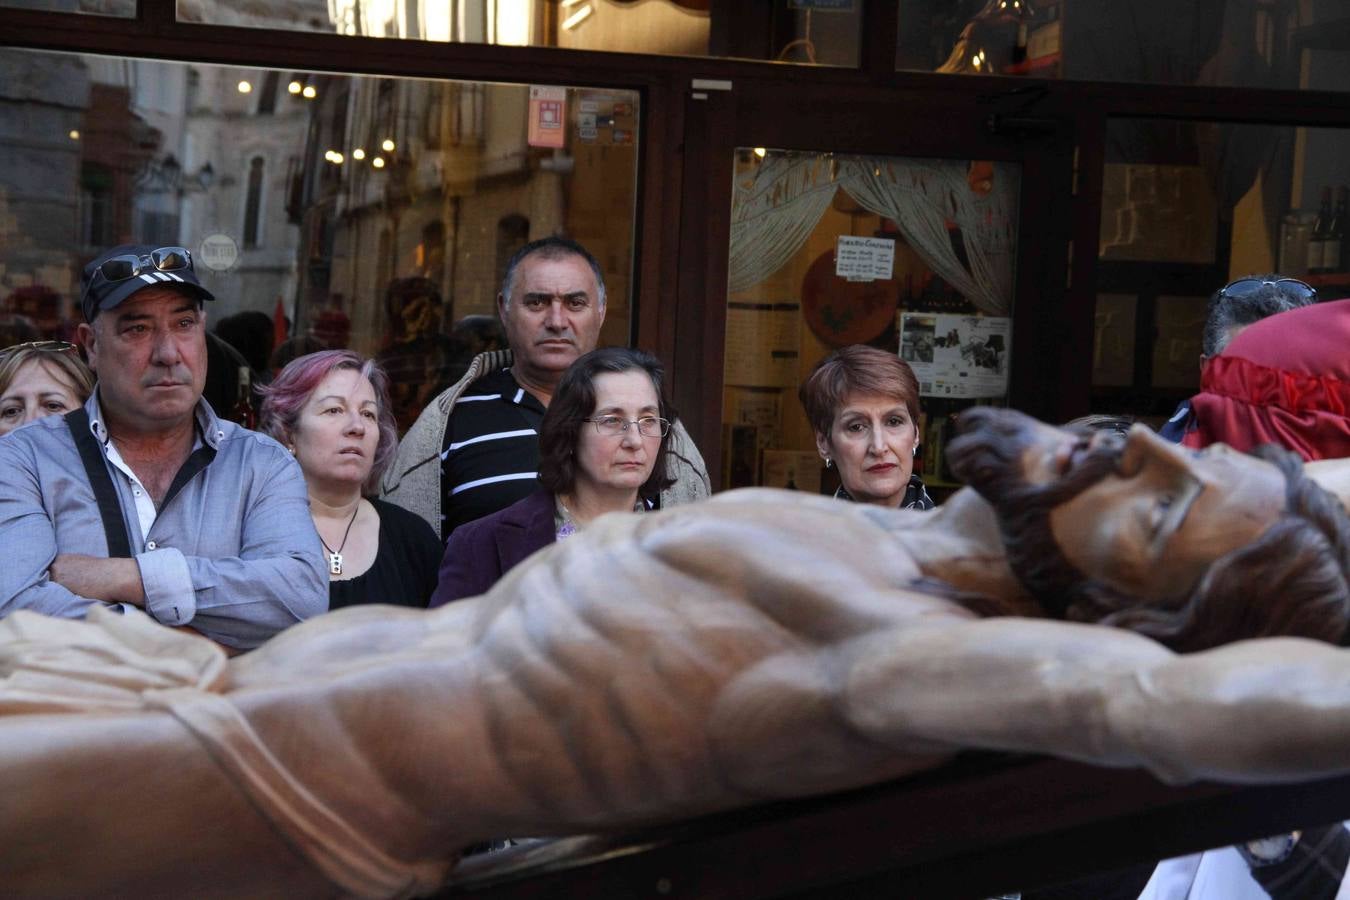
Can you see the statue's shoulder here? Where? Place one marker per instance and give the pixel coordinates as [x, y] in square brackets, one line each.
[783, 500]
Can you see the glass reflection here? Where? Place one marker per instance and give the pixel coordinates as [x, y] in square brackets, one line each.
[817, 32]
[1232, 43]
[327, 211]
[122, 9]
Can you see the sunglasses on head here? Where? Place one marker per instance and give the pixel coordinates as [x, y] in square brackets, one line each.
[1245, 287]
[129, 265]
[43, 346]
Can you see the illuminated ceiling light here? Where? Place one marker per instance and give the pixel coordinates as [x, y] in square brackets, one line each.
[294, 87]
[358, 153]
[74, 134]
[378, 162]
[309, 93]
[245, 87]
[577, 17]
[388, 145]
[761, 152]
[338, 158]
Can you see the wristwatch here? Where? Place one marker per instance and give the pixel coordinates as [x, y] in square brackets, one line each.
[1269, 851]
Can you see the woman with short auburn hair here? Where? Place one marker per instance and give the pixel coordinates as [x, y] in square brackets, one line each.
[863, 404]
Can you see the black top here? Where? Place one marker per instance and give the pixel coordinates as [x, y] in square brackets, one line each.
[490, 451]
[404, 571]
[916, 495]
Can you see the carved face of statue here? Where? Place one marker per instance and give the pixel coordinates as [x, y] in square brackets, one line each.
[1136, 513]
[1154, 526]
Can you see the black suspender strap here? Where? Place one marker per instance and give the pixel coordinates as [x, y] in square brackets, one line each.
[105, 492]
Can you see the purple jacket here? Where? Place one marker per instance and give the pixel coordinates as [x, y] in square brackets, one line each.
[480, 552]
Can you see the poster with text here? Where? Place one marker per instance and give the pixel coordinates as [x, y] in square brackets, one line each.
[957, 356]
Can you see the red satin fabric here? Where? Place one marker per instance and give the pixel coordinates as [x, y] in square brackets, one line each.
[1284, 380]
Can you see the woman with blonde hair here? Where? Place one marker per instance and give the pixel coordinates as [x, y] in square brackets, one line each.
[41, 378]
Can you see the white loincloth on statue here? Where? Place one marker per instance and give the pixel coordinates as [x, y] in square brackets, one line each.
[129, 663]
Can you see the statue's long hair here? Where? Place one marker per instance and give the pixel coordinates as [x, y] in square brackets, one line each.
[1293, 580]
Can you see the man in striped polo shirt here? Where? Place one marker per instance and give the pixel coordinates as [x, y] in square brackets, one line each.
[475, 448]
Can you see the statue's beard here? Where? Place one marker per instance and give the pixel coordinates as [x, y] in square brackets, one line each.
[987, 455]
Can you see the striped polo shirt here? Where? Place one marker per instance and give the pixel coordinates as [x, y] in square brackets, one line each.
[490, 452]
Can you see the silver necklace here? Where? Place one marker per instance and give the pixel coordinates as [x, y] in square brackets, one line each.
[335, 556]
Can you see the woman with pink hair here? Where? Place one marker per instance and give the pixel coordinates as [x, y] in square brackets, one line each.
[331, 410]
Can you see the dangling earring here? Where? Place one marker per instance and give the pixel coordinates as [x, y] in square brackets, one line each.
[290, 448]
[914, 451]
[828, 462]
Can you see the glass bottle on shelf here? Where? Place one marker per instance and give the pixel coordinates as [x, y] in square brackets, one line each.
[1333, 254]
[243, 412]
[1295, 234]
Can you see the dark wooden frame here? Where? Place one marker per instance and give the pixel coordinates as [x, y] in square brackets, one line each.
[983, 825]
[682, 219]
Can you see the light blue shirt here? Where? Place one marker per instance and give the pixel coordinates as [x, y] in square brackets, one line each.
[233, 552]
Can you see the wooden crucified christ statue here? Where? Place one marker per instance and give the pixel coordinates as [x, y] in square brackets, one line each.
[1081, 599]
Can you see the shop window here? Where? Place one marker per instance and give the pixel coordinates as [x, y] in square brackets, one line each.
[815, 32]
[253, 205]
[353, 212]
[912, 256]
[1228, 43]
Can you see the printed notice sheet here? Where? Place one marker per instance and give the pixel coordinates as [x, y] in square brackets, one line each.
[957, 356]
[864, 258]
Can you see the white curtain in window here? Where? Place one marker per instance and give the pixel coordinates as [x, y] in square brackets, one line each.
[775, 209]
[922, 196]
[773, 212]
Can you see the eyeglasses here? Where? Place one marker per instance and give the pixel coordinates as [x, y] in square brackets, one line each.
[129, 265]
[1245, 287]
[613, 426]
[43, 346]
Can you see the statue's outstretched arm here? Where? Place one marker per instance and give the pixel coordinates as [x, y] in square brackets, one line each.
[1262, 710]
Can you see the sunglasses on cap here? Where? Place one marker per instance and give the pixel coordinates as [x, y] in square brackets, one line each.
[130, 265]
[1245, 287]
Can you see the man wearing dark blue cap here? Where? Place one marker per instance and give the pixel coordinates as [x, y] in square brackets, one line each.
[144, 497]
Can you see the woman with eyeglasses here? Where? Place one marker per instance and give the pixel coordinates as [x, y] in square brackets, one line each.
[44, 378]
[602, 449]
[863, 404]
[331, 411]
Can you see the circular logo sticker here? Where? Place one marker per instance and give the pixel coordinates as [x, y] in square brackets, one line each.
[218, 251]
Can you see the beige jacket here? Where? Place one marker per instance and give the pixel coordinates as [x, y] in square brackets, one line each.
[413, 479]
